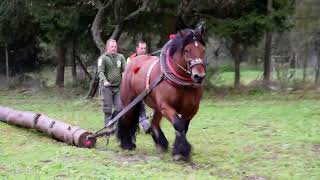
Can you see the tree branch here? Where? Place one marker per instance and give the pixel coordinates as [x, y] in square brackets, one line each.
[143, 7]
[96, 29]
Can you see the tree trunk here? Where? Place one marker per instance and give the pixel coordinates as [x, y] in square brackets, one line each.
[96, 29]
[236, 72]
[305, 62]
[117, 31]
[74, 65]
[267, 58]
[317, 71]
[83, 67]
[93, 86]
[7, 61]
[267, 52]
[235, 51]
[61, 60]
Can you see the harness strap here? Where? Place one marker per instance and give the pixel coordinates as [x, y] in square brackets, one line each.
[149, 73]
[128, 107]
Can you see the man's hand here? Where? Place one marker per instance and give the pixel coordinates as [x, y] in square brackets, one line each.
[106, 83]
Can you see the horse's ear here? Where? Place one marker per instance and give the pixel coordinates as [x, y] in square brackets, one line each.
[183, 33]
[200, 30]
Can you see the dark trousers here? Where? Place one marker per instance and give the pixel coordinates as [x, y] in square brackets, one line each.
[110, 97]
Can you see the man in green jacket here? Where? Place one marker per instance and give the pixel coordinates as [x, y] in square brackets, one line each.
[110, 68]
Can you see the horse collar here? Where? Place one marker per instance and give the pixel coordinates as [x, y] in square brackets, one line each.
[174, 71]
[170, 73]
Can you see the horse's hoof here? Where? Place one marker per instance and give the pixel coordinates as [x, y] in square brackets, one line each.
[161, 149]
[179, 157]
[128, 146]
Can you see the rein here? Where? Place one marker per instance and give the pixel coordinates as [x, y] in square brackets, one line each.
[139, 98]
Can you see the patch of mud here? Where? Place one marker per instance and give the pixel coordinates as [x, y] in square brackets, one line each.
[128, 159]
[2, 168]
[196, 166]
[46, 161]
[248, 149]
[255, 177]
[316, 148]
[61, 176]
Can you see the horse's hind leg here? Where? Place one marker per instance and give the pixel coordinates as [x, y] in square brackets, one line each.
[157, 135]
[127, 128]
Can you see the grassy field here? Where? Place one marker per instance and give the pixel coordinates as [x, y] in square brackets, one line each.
[270, 136]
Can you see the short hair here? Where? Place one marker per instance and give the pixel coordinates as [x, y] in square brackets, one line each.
[140, 42]
[110, 40]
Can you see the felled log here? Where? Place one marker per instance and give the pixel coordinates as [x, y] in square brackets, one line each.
[58, 130]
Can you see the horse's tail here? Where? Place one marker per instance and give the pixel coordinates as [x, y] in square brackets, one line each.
[127, 128]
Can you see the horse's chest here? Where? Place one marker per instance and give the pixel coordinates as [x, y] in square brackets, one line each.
[188, 101]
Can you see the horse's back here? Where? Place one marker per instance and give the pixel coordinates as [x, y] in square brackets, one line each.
[135, 76]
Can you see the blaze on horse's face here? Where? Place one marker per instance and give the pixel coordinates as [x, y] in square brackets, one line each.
[194, 55]
[193, 52]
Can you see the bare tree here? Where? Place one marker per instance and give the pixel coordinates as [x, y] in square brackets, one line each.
[120, 17]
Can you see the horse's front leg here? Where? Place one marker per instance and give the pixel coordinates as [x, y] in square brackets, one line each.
[181, 147]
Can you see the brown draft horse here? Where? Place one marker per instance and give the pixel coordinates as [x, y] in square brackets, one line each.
[177, 97]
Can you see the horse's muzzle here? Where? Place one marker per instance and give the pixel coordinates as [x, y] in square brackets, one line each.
[198, 78]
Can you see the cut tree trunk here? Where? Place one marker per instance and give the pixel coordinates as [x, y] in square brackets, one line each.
[58, 130]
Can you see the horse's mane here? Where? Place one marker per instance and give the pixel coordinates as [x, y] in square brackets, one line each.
[179, 42]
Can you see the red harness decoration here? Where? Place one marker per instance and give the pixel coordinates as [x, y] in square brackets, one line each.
[136, 69]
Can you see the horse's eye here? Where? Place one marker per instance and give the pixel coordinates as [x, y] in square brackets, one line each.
[186, 50]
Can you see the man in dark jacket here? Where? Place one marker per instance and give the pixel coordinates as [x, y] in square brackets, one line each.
[110, 68]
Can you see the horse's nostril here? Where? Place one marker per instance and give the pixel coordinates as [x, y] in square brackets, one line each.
[197, 78]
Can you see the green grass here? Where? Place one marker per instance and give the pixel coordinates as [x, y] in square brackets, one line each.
[273, 136]
[227, 78]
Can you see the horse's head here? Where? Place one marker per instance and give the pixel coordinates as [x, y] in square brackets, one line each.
[190, 57]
